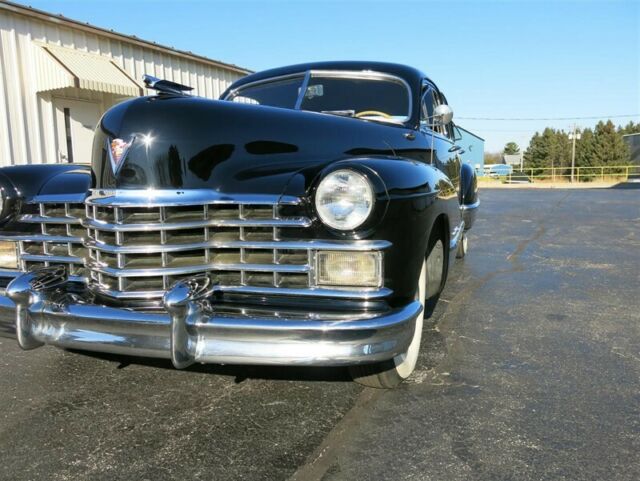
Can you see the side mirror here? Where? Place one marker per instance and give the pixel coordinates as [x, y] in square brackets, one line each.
[442, 115]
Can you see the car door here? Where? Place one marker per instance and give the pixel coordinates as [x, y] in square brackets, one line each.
[439, 137]
[451, 159]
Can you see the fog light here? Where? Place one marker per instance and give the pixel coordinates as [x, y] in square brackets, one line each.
[349, 269]
[8, 255]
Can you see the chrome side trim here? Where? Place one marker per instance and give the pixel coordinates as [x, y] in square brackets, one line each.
[456, 235]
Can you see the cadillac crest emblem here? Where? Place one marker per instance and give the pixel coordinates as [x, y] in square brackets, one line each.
[118, 149]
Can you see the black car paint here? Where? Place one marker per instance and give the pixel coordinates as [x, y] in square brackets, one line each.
[237, 148]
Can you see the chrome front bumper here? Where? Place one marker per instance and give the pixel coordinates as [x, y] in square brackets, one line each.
[37, 308]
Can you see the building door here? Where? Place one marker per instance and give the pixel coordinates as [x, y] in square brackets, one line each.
[75, 122]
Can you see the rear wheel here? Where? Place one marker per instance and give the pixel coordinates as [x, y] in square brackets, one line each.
[388, 374]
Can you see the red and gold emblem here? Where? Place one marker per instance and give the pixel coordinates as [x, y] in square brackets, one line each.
[118, 151]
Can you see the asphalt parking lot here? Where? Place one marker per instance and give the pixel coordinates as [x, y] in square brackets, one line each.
[530, 370]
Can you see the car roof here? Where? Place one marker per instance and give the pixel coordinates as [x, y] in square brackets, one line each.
[412, 75]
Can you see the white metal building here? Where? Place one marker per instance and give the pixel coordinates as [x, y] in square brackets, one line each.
[57, 77]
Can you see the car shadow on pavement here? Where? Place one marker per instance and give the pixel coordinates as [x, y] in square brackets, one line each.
[627, 185]
[240, 373]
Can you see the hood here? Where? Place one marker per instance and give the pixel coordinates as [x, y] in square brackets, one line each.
[194, 143]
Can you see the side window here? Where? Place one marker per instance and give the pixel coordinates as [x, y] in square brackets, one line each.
[427, 105]
[446, 130]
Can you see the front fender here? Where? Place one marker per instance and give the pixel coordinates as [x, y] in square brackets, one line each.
[411, 195]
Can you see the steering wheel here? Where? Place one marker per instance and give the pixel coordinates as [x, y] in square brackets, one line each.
[366, 113]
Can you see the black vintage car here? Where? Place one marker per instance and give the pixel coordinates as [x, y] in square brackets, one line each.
[308, 217]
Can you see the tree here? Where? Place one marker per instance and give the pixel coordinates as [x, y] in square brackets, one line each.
[608, 146]
[492, 158]
[630, 128]
[603, 146]
[549, 149]
[584, 149]
[511, 148]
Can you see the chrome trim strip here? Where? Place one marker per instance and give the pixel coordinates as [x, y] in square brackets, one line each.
[456, 235]
[279, 78]
[475, 205]
[169, 198]
[172, 271]
[303, 89]
[43, 219]
[42, 238]
[270, 245]
[314, 292]
[51, 258]
[58, 199]
[157, 226]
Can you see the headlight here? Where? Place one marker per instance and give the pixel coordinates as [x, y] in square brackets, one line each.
[344, 199]
[8, 255]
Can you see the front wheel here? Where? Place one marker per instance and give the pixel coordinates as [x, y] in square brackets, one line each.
[388, 374]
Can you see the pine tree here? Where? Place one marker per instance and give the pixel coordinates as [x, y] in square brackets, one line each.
[630, 128]
[608, 146]
[584, 149]
[511, 148]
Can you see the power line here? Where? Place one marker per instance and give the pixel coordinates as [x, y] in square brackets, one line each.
[552, 118]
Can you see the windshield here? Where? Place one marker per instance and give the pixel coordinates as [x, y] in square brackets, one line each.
[372, 96]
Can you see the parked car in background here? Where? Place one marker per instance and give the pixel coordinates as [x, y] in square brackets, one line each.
[497, 170]
[309, 217]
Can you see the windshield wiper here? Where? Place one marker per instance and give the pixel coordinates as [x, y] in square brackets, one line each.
[341, 113]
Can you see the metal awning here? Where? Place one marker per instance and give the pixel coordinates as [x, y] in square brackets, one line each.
[60, 67]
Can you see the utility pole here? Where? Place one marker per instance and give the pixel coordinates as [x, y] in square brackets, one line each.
[573, 136]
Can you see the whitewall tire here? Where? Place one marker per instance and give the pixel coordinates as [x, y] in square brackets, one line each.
[389, 374]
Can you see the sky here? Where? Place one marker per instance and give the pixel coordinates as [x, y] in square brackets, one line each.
[496, 60]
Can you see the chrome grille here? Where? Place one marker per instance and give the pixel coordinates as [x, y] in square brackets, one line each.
[61, 237]
[139, 251]
[136, 244]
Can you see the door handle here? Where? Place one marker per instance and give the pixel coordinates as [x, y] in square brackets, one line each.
[454, 148]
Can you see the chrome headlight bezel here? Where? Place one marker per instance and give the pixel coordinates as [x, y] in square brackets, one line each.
[344, 199]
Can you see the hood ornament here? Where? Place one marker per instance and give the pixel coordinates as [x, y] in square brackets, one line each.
[118, 149]
[164, 87]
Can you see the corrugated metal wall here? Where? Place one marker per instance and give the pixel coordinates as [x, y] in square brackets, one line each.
[27, 132]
